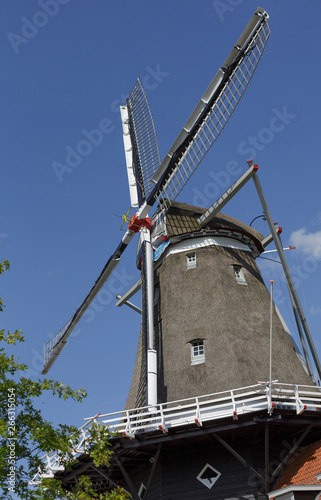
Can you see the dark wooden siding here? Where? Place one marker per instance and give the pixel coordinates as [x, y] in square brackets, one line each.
[178, 468]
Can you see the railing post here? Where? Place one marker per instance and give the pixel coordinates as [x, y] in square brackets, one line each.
[235, 417]
[162, 425]
[300, 407]
[198, 418]
[271, 405]
[128, 430]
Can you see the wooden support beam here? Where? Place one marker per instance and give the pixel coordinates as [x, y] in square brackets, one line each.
[236, 455]
[267, 457]
[152, 472]
[291, 452]
[105, 476]
[127, 478]
[77, 471]
[182, 435]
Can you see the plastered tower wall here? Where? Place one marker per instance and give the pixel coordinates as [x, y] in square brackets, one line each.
[208, 303]
[233, 320]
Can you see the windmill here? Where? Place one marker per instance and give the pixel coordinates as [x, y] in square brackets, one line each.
[185, 430]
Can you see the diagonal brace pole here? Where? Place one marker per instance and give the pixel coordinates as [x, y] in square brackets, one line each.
[152, 472]
[105, 476]
[226, 196]
[291, 452]
[236, 455]
[289, 280]
[127, 478]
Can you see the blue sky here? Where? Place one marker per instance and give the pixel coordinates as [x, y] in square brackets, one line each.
[66, 77]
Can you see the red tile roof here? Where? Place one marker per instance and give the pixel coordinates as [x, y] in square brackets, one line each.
[303, 468]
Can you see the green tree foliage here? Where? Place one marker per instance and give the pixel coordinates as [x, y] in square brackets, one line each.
[25, 435]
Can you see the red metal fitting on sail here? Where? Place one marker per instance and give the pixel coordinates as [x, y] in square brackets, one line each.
[136, 224]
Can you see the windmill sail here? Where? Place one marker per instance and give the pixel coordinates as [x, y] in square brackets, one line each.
[213, 111]
[55, 345]
[199, 134]
[140, 140]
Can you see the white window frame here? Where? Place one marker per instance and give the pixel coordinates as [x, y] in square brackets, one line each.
[191, 260]
[197, 352]
[239, 275]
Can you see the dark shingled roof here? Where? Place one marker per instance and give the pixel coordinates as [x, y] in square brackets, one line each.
[182, 218]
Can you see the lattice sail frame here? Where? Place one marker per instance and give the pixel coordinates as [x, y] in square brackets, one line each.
[217, 116]
[49, 347]
[144, 140]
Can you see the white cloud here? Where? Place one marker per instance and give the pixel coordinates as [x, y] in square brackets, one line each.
[315, 310]
[307, 243]
[316, 220]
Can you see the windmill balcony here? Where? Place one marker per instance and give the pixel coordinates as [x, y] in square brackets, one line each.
[198, 412]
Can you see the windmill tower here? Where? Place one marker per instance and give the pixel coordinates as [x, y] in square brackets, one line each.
[203, 418]
[211, 313]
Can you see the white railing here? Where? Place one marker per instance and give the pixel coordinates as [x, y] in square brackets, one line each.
[197, 411]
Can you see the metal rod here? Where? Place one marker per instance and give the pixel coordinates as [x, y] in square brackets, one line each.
[286, 248]
[268, 239]
[289, 280]
[227, 196]
[151, 353]
[150, 289]
[127, 295]
[304, 346]
[129, 304]
[271, 332]
[299, 327]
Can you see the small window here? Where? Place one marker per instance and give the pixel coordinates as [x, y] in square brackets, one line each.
[156, 295]
[197, 352]
[191, 260]
[239, 276]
